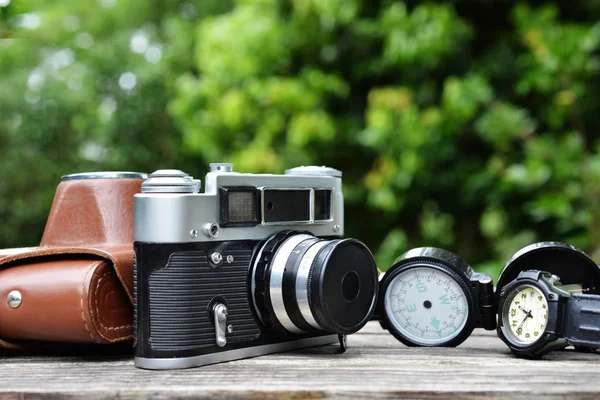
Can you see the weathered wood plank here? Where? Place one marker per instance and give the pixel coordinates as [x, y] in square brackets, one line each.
[376, 365]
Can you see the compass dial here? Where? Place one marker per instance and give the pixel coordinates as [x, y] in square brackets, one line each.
[426, 305]
[525, 314]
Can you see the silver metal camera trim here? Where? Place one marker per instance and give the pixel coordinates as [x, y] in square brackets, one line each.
[105, 175]
[278, 263]
[230, 355]
[170, 217]
[302, 282]
[276, 281]
[311, 206]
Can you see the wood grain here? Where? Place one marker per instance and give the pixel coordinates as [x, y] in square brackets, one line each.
[375, 366]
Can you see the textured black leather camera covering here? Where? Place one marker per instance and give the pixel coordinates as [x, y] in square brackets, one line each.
[582, 320]
[175, 322]
[181, 295]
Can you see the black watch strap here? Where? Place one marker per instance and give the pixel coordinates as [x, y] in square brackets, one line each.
[582, 320]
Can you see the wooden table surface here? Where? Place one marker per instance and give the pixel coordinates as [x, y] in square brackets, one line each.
[375, 365]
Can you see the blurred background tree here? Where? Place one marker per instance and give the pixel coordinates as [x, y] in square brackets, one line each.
[469, 125]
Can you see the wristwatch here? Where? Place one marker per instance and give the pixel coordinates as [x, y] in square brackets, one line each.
[538, 314]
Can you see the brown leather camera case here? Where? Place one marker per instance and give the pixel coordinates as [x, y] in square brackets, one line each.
[77, 286]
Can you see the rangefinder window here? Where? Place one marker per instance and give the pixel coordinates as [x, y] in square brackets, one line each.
[322, 205]
[239, 206]
[286, 205]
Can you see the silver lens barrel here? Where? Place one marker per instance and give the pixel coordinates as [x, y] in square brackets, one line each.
[276, 281]
[303, 284]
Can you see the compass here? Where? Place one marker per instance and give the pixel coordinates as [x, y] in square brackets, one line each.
[431, 297]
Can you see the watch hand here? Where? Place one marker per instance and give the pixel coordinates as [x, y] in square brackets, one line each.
[528, 313]
[525, 311]
[524, 319]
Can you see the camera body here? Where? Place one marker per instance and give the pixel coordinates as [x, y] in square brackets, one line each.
[254, 265]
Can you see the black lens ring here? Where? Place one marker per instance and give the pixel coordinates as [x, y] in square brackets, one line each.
[318, 296]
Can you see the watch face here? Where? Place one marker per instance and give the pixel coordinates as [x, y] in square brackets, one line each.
[426, 305]
[525, 314]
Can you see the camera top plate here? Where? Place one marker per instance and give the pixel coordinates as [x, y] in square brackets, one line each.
[181, 213]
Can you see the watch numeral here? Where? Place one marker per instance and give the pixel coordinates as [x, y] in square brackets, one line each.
[524, 296]
[536, 334]
[513, 312]
[527, 335]
[519, 331]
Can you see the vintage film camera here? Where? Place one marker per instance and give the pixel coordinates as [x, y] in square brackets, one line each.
[254, 265]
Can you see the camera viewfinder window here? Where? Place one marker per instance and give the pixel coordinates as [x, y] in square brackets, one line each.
[286, 206]
[242, 207]
[322, 205]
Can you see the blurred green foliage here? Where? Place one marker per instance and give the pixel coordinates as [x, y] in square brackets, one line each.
[469, 125]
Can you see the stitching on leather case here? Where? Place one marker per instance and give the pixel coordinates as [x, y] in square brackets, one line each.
[129, 326]
[113, 258]
[81, 302]
[98, 309]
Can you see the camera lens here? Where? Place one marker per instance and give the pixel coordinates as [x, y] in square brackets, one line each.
[302, 284]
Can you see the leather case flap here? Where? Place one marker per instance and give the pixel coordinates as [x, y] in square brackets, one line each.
[68, 295]
[120, 256]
